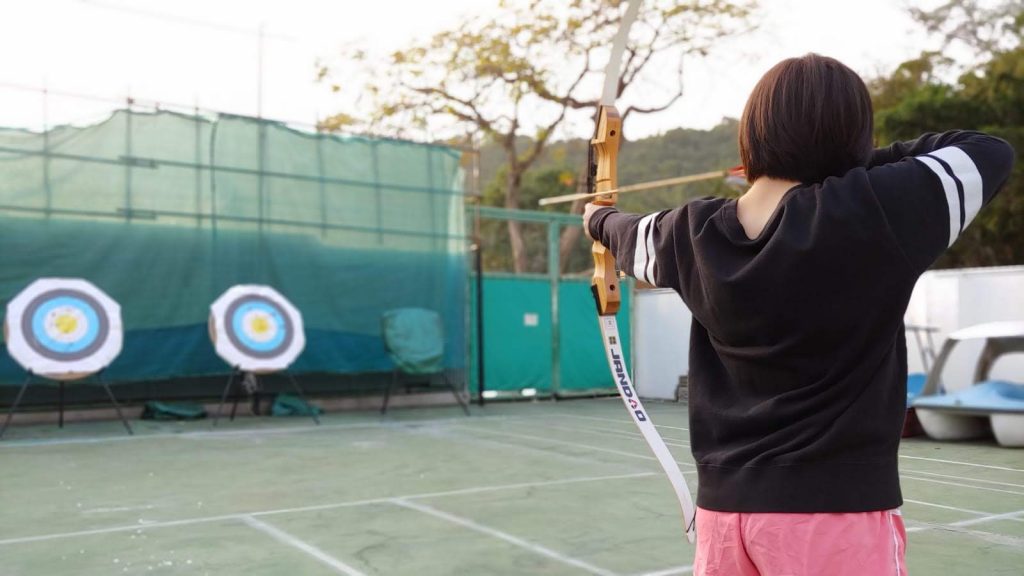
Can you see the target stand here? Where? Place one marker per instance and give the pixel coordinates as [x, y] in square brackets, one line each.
[257, 331]
[63, 330]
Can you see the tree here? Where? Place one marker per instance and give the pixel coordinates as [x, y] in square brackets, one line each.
[988, 97]
[520, 72]
[983, 27]
[677, 151]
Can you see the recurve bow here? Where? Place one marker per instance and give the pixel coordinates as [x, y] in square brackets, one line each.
[602, 177]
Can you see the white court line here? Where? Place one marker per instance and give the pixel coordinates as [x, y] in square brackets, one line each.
[688, 569]
[118, 509]
[457, 492]
[943, 506]
[286, 538]
[453, 436]
[961, 485]
[505, 536]
[115, 529]
[668, 441]
[351, 503]
[985, 516]
[623, 421]
[243, 432]
[1010, 484]
[1005, 516]
[962, 463]
[924, 458]
[573, 444]
[692, 465]
[994, 537]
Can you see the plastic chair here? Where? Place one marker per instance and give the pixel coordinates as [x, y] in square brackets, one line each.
[414, 339]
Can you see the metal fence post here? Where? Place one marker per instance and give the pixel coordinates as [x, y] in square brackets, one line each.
[554, 268]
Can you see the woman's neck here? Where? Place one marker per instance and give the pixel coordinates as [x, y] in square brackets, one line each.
[755, 208]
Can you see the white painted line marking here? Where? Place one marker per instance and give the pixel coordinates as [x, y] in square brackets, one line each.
[962, 463]
[618, 433]
[957, 462]
[286, 538]
[118, 509]
[455, 436]
[968, 478]
[1005, 516]
[573, 444]
[351, 503]
[617, 421]
[459, 492]
[115, 529]
[943, 506]
[947, 483]
[688, 569]
[993, 537]
[984, 516]
[242, 432]
[505, 536]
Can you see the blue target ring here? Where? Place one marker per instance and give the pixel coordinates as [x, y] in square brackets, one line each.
[43, 324]
[258, 327]
[273, 317]
[65, 325]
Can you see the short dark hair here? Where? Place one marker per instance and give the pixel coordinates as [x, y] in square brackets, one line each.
[807, 119]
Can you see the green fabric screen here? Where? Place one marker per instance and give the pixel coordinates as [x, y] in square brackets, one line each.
[519, 354]
[165, 211]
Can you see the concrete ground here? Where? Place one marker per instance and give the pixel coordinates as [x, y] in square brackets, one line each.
[523, 488]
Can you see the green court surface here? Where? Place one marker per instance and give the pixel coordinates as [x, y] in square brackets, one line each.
[524, 488]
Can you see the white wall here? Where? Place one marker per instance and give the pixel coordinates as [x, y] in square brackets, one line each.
[946, 299]
[661, 342]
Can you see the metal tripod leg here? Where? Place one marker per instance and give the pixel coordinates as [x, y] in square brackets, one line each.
[236, 397]
[117, 407]
[387, 392]
[60, 405]
[298, 391]
[14, 406]
[224, 397]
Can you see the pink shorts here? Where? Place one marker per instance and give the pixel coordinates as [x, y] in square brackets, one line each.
[857, 544]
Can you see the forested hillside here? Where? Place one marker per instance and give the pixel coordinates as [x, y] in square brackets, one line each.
[674, 153]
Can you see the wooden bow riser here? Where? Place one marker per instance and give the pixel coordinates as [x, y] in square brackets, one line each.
[605, 282]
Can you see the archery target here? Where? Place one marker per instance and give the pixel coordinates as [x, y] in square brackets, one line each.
[63, 328]
[256, 329]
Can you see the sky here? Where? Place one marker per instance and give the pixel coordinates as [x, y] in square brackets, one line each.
[207, 53]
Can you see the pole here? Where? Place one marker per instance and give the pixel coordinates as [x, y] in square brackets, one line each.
[480, 387]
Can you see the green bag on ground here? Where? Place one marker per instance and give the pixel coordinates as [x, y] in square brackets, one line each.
[288, 405]
[176, 411]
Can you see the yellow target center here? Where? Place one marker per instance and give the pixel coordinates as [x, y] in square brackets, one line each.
[260, 325]
[66, 323]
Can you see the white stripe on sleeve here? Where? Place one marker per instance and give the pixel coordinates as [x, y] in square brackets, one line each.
[650, 261]
[643, 252]
[964, 169]
[952, 197]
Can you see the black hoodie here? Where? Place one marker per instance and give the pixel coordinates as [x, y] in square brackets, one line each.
[798, 359]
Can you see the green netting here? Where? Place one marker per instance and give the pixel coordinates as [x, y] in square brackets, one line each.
[165, 211]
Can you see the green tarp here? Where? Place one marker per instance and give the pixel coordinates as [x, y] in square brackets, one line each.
[165, 211]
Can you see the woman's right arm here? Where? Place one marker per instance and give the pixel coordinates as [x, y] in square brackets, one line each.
[931, 188]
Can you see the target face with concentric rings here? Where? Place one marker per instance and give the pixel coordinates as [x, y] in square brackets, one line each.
[63, 328]
[255, 328]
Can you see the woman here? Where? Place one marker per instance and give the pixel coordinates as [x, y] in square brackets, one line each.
[798, 361]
